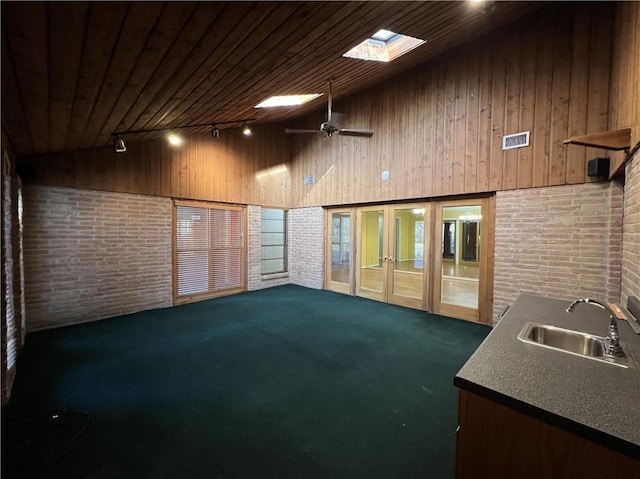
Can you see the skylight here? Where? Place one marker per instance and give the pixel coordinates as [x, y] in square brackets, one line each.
[383, 35]
[384, 46]
[287, 100]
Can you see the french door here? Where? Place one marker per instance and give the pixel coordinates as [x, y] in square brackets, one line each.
[339, 257]
[462, 236]
[391, 261]
[434, 256]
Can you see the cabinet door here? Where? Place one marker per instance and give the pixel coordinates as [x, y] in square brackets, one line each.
[494, 441]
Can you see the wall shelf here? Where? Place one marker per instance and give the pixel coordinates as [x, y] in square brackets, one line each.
[616, 140]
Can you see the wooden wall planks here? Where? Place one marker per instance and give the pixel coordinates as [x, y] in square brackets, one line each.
[29, 47]
[625, 67]
[438, 129]
[547, 74]
[232, 168]
[624, 91]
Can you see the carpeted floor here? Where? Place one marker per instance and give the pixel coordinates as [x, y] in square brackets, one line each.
[287, 382]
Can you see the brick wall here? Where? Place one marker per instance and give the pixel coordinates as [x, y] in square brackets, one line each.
[631, 231]
[306, 246]
[563, 242]
[92, 255]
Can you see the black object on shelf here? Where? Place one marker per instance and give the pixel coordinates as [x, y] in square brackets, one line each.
[598, 167]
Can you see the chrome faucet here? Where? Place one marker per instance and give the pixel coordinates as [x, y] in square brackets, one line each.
[611, 342]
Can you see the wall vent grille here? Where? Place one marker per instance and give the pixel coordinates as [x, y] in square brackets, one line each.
[517, 140]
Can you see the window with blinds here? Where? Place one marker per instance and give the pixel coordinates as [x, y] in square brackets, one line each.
[9, 344]
[273, 241]
[209, 251]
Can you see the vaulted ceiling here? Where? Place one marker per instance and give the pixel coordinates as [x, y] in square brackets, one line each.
[73, 73]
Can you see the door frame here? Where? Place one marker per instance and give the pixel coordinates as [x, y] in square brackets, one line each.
[383, 260]
[432, 256]
[336, 285]
[484, 311]
[391, 295]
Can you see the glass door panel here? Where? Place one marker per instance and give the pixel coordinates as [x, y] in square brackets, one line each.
[457, 291]
[340, 260]
[407, 261]
[340, 247]
[372, 264]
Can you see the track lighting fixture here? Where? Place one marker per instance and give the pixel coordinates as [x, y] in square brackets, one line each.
[118, 142]
[176, 140]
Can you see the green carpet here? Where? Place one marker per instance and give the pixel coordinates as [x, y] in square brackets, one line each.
[287, 382]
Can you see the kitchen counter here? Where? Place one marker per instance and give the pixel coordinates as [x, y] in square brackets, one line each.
[587, 397]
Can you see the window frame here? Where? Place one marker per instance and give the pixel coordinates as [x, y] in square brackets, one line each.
[284, 246]
[210, 293]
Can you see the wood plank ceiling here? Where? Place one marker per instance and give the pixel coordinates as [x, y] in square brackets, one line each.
[73, 73]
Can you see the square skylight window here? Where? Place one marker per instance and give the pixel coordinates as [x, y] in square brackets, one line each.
[287, 100]
[383, 35]
[384, 46]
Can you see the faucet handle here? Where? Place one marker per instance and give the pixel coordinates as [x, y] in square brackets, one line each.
[615, 310]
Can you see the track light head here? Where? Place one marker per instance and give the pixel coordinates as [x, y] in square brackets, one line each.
[174, 140]
[118, 143]
[246, 131]
[215, 132]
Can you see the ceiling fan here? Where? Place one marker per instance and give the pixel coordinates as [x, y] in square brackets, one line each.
[330, 127]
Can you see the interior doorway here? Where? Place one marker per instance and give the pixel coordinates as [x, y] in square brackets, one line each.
[340, 230]
[391, 264]
[461, 266]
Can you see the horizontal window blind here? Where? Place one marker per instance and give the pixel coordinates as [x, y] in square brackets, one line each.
[8, 257]
[209, 250]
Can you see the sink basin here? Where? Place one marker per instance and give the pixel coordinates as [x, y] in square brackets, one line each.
[572, 342]
[565, 339]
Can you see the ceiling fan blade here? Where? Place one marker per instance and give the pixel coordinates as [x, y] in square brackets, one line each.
[293, 130]
[337, 118]
[354, 132]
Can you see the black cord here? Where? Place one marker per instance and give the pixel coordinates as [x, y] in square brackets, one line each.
[41, 438]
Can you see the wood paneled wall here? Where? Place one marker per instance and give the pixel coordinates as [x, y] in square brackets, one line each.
[625, 72]
[438, 129]
[232, 168]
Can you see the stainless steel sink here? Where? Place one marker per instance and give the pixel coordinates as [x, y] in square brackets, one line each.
[572, 342]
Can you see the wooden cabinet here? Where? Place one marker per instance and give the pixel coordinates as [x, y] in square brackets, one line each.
[494, 441]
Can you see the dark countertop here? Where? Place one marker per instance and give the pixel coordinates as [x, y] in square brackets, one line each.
[595, 400]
